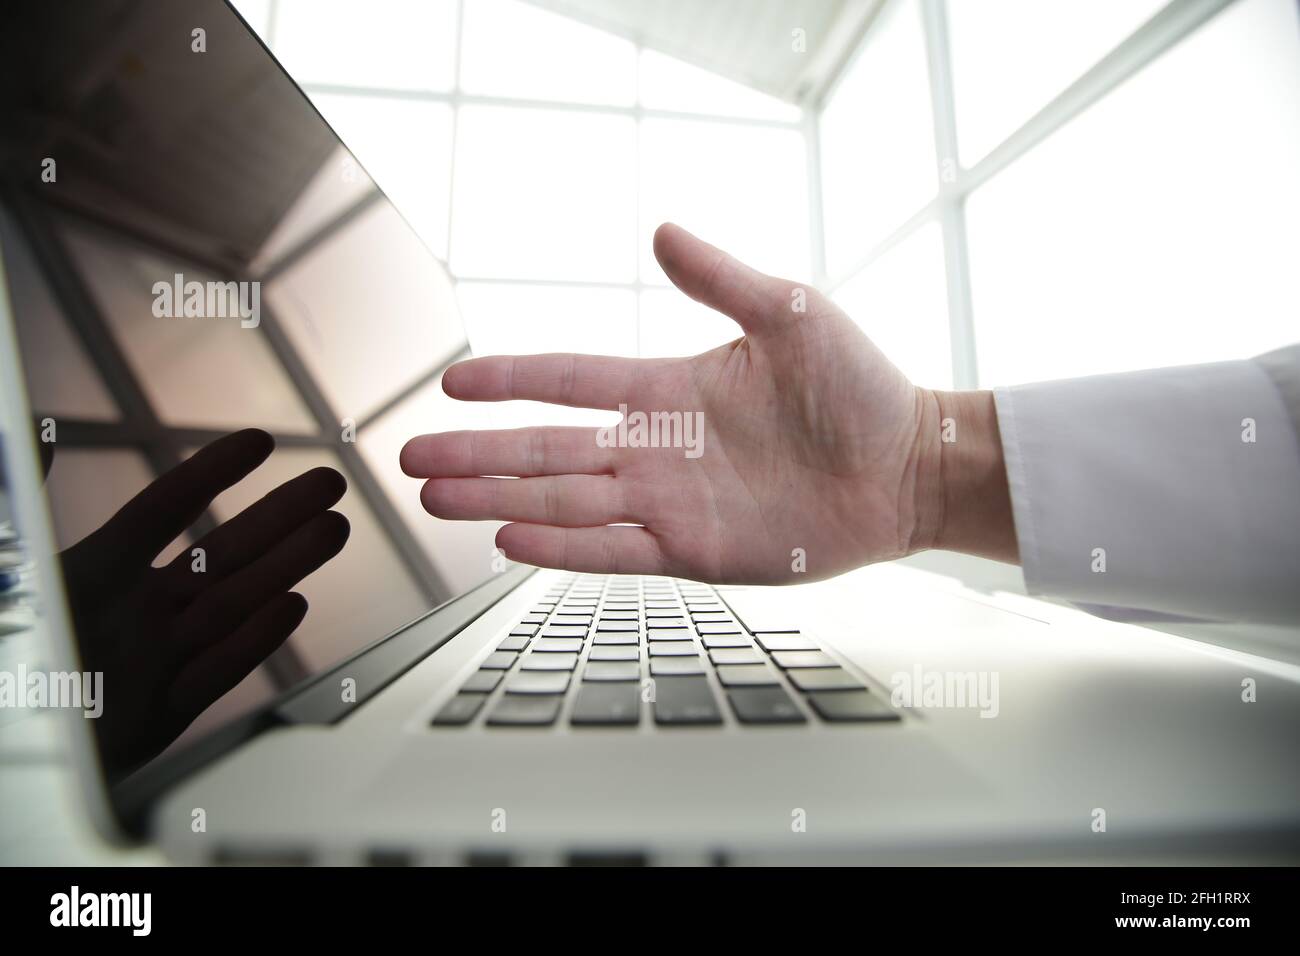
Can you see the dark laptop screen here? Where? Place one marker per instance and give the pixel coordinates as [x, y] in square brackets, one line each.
[192, 252]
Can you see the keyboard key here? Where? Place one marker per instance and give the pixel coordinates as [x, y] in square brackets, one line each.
[665, 624]
[746, 675]
[610, 626]
[728, 628]
[604, 639]
[735, 655]
[537, 682]
[607, 703]
[764, 705]
[850, 705]
[525, 630]
[568, 645]
[788, 659]
[459, 710]
[499, 661]
[565, 630]
[614, 654]
[669, 636]
[726, 640]
[685, 700]
[482, 682]
[549, 662]
[785, 642]
[673, 649]
[535, 617]
[612, 670]
[825, 678]
[525, 710]
[676, 666]
[513, 643]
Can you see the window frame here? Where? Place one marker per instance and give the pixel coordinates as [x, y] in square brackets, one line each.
[1164, 30]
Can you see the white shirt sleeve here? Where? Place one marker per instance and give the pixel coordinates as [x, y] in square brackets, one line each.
[1166, 493]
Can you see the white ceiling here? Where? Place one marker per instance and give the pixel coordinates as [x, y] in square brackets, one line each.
[750, 41]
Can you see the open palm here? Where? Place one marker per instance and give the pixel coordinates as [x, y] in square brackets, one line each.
[811, 459]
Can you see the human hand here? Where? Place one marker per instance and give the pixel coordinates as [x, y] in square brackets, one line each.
[813, 445]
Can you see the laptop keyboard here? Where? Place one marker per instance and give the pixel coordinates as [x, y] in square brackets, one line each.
[611, 651]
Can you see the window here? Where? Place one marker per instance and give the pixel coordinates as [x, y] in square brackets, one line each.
[877, 139]
[1175, 242]
[1116, 184]
[511, 49]
[544, 194]
[535, 155]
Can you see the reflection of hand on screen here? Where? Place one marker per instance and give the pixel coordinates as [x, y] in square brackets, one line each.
[171, 640]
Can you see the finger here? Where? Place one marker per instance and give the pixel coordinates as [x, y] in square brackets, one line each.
[708, 275]
[617, 550]
[152, 519]
[210, 675]
[523, 452]
[220, 609]
[255, 530]
[583, 381]
[570, 501]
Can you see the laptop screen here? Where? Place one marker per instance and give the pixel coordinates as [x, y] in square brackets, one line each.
[191, 252]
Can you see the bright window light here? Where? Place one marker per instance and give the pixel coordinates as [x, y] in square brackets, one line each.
[405, 146]
[673, 324]
[513, 49]
[742, 188]
[670, 84]
[877, 139]
[544, 194]
[519, 319]
[399, 44]
[1159, 228]
[901, 302]
[1011, 57]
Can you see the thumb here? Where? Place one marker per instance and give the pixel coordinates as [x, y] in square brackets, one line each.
[709, 275]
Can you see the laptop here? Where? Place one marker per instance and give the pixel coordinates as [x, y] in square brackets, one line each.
[189, 252]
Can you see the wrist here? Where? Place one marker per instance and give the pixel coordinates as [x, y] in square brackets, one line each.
[964, 502]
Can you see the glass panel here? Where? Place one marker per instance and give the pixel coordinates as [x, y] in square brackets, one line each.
[399, 44]
[513, 49]
[544, 194]
[901, 302]
[877, 139]
[520, 319]
[338, 184]
[369, 311]
[673, 324]
[742, 188]
[670, 84]
[405, 146]
[205, 372]
[1011, 57]
[1122, 242]
[367, 565]
[48, 342]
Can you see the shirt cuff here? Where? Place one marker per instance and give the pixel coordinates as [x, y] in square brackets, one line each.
[1163, 492]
